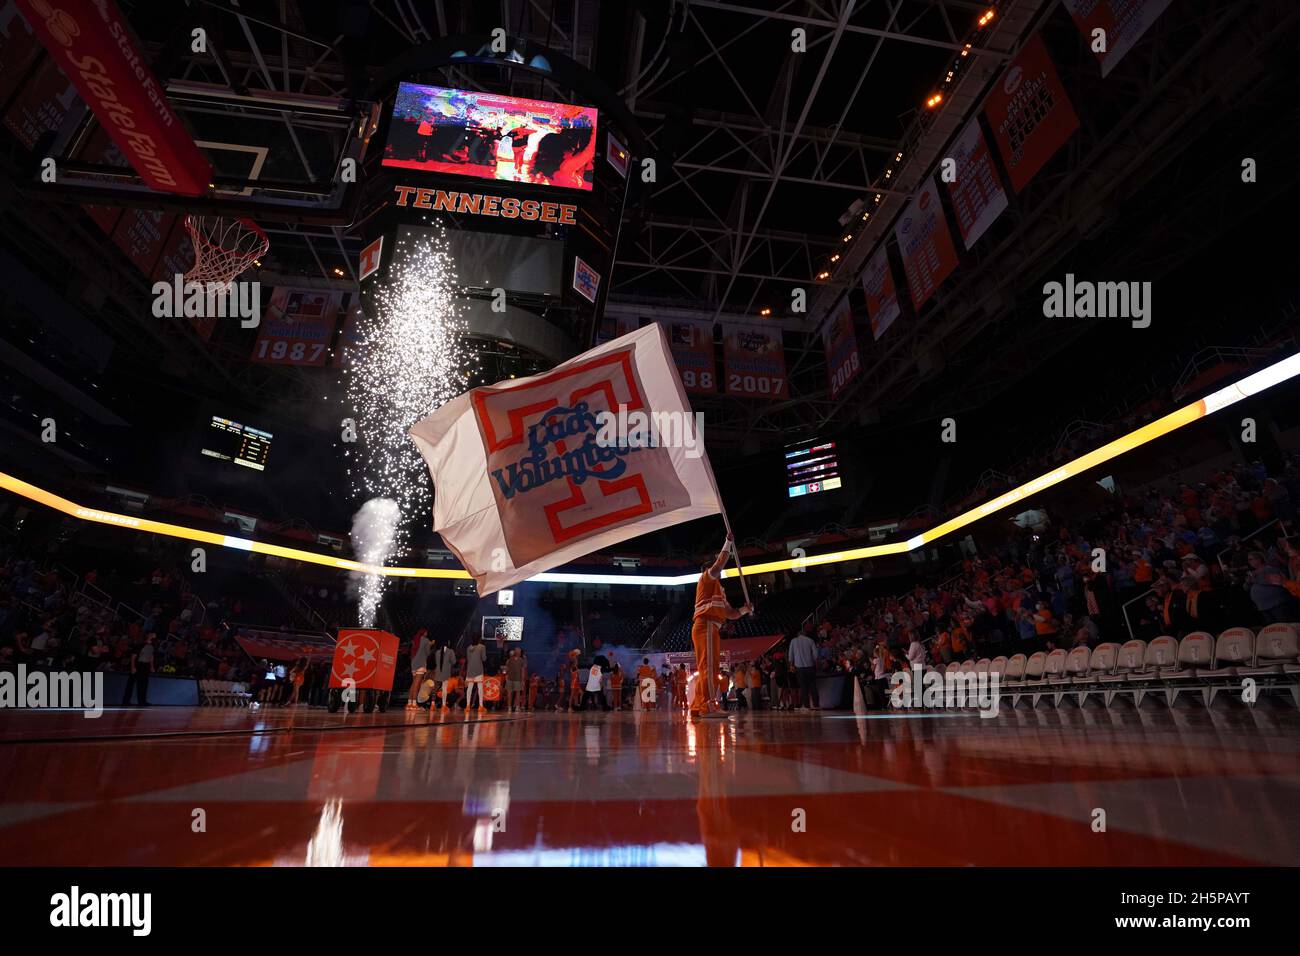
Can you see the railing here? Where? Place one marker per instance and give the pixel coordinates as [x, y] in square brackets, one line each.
[1124, 610]
[1261, 528]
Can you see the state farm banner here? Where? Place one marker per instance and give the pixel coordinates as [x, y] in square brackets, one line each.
[92, 43]
[297, 327]
[529, 474]
[753, 359]
[977, 196]
[1124, 22]
[692, 348]
[882, 296]
[1029, 113]
[926, 244]
[840, 340]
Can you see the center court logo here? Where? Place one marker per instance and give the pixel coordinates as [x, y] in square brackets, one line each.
[930, 688]
[77, 909]
[24, 690]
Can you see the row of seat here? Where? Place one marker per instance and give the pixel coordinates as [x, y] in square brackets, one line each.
[1270, 661]
[223, 693]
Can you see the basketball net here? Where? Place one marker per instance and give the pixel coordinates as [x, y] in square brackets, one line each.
[223, 248]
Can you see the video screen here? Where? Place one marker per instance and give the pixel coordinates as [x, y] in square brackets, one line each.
[244, 445]
[811, 468]
[489, 136]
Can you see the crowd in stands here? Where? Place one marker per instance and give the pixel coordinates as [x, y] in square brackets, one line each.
[1189, 557]
[1192, 557]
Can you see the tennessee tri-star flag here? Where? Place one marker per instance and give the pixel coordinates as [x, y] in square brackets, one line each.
[526, 476]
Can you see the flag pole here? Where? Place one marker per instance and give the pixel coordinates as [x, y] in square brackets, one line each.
[735, 549]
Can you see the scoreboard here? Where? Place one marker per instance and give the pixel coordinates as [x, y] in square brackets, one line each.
[811, 467]
[232, 441]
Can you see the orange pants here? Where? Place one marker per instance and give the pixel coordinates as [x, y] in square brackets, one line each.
[706, 636]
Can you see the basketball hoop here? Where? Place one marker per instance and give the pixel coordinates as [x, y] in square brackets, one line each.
[223, 248]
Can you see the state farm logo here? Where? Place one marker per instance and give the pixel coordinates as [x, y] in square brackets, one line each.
[924, 201]
[357, 658]
[62, 27]
[554, 480]
[1012, 82]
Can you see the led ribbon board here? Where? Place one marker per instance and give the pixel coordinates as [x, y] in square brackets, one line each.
[1253, 384]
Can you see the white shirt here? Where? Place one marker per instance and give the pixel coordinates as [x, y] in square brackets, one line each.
[593, 678]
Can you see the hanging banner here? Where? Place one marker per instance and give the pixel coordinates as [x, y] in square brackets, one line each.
[692, 347]
[926, 244]
[41, 105]
[1122, 21]
[92, 43]
[297, 327]
[19, 49]
[1029, 113]
[977, 196]
[753, 359]
[882, 296]
[586, 280]
[840, 340]
[615, 327]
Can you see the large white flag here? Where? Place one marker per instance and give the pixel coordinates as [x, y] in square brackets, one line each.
[534, 472]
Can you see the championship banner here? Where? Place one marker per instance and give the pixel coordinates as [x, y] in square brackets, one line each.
[527, 475]
[140, 233]
[1124, 22]
[840, 340]
[692, 347]
[1029, 113]
[615, 327]
[19, 49]
[41, 105]
[977, 196]
[882, 296]
[753, 359]
[92, 43]
[926, 244]
[297, 328]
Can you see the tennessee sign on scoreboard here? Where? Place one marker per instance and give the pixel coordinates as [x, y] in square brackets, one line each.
[526, 478]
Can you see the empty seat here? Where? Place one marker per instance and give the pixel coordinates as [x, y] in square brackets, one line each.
[982, 665]
[1036, 674]
[1278, 646]
[1234, 650]
[967, 666]
[1100, 664]
[1130, 663]
[998, 666]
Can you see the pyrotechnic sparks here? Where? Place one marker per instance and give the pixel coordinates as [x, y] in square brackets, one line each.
[374, 532]
[408, 363]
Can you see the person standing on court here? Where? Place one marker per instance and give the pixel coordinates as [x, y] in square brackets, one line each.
[141, 668]
[444, 668]
[420, 648]
[803, 658]
[711, 609]
[475, 657]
